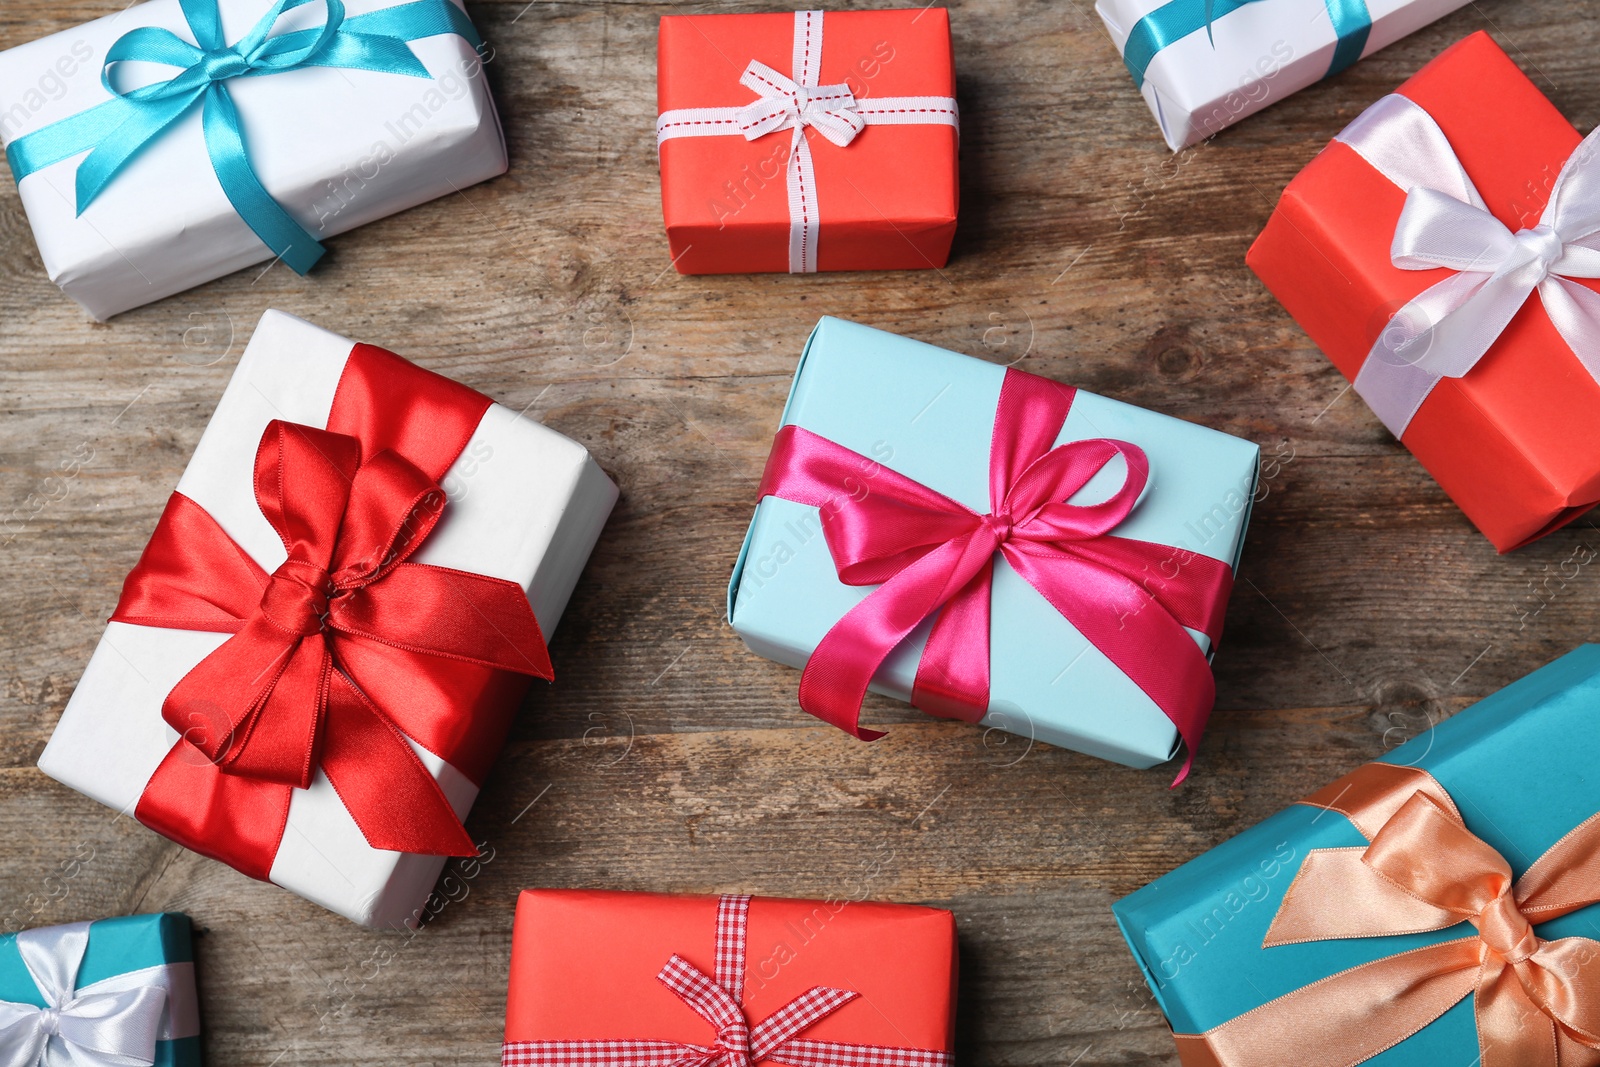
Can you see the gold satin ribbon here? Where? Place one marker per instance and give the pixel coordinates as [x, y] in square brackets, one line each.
[1537, 1002]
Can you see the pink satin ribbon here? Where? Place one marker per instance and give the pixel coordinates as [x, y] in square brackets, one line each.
[1537, 1002]
[928, 553]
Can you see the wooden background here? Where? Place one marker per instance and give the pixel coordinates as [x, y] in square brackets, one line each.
[667, 757]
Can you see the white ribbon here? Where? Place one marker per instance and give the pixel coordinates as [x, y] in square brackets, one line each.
[1445, 330]
[111, 1023]
[784, 103]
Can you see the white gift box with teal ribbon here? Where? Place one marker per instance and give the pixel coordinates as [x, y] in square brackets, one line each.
[177, 141]
[1203, 65]
[111, 993]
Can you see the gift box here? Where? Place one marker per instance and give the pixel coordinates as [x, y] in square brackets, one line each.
[644, 978]
[1410, 251]
[113, 991]
[1203, 66]
[901, 472]
[318, 656]
[236, 136]
[772, 157]
[1386, 919]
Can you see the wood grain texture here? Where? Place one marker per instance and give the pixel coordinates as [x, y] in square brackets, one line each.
[666, 757]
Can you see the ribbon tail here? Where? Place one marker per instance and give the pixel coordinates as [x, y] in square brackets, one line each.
[1575, 311]
[388, 791]
[115, 1029]
[1346, 1018]
[1512, 1030]
[238, 821]
[417, 20]
[62, 140]
[1131, 629]
[138, 126]
[769, 1036]
[953, 675]
[836, 677]
[805, 221]
[229, 158]
[215, 706]
[1369, 905]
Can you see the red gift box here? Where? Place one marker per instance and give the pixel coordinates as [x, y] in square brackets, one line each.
[869, 182]
[643, 979]
[1516, 440]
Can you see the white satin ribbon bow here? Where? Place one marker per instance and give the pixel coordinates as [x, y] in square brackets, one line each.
[784, 103]
[113, 1023]
[1445, 330]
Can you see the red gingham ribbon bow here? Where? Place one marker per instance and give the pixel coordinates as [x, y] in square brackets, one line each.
[719, 1001]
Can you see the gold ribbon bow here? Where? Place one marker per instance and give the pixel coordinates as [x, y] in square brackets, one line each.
[1537, 1002]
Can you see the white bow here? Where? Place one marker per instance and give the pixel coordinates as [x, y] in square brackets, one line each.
[1445, 330]
[101, 1026]
[781, 103]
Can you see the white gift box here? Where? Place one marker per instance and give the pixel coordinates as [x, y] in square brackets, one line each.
[1255, 55]
[525, 504]
[336, 148]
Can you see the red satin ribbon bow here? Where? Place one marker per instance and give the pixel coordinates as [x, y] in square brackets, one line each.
[719, 1001]
[327, 648]
[928, 553]
[1537, 1002]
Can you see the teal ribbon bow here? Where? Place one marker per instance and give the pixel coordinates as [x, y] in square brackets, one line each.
[1177, 19]
[116, 131]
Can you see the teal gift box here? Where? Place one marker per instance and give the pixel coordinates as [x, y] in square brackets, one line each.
[116, 983]
[929, 414]
[1522, 768]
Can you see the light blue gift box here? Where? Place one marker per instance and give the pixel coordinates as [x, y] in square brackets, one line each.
[1523, 768]
[928, 414]
[118, 947]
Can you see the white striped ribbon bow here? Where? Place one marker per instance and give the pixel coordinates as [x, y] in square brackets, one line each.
[719, 1001]
[785, 103]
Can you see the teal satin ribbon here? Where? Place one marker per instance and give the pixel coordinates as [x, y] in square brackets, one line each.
[117, 130]
[1177, 19]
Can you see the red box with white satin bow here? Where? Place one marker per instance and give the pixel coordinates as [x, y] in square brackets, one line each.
[648, 979]
[873, 185]
[1516, 440]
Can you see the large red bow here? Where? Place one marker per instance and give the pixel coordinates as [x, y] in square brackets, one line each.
[928, 553]
[337, 657]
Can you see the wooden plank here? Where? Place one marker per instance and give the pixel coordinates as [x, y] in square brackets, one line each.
[666, 756]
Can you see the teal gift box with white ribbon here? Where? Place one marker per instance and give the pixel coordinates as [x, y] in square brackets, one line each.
[1203, 65]
[177, 141]
[100, 994]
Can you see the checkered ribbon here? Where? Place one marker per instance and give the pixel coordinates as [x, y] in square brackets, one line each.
[782, 103]
[719, 1001]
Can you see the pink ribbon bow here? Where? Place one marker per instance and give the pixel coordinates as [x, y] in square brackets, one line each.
[719, 1001]
[928, 553]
